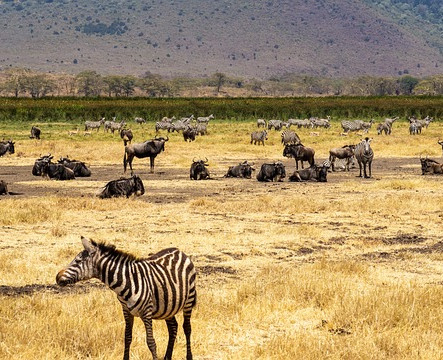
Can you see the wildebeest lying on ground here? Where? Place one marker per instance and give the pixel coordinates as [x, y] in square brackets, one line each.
[35, 133]
[44, 167]
[123, 187]
[315, 172]
[149, 148]
[429, 166]
[300, 153]
[345, 152]
[126, 135]
[79, 167]
[198, 170]
[272, 172]
[242, 170]
[7, 146]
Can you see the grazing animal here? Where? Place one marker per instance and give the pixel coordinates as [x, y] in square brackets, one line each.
[189, 133]
[126, 135]
[164, 125]
[300, 153]
[198, 170]
[201, 129]
[276, 124]
[345, 152]
[429, 166]
[35, 133]
[149, 148]
[259, 137]
[272, 172]
[73, 132]
[7, 147]
[123, 187]
[116, 126]
[289, 137]
[356, 125]
[54, 171]
[80, 169]
[140, 120]
[94, 124]
[440, 142]
[261, 123]
[414, 128]
[364, 156]
[316, 122]
[242, 170]
[384, 127]
[315, 172]
[3, 188]
[306, 123]
[205, 119]
[391, 121]
[157, 287]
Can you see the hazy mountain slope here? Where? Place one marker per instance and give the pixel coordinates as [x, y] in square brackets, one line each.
[197, 37]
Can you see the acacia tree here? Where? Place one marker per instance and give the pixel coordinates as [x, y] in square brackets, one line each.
[38, 85]
[15, 83]
[89, 83]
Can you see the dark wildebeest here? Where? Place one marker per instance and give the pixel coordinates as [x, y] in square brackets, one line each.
[149, 148]
[123, 187]
[242, 170]
[35, 133]
[3, 188]
[272, 172]
[38, 164]
[198, 170]
[53, 171]
[315, 172]
[300, 153]
[79, 167]
[429, 166]
[345, 152]
[189, 133]
[364, 156]
[126, 135]
[7, 146]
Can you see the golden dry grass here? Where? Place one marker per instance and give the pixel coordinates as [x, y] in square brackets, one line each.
[350, 269]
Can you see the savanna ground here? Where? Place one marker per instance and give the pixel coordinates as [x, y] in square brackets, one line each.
[348, 269]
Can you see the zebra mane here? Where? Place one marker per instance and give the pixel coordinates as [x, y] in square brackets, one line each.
[112, 250]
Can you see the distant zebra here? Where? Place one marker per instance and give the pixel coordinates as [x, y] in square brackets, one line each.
[276, 124]
[139, 120]
[156, 287]
[94, 124]
[289, 137]
[364, 156]
[163, 125]
[356, 125]
[259, 137]
[414, 128]
[261, 122]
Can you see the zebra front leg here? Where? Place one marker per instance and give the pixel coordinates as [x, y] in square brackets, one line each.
[360, 166]
[187, 330]
[129, 322]
[172, 329]
[370, 169]
[150, 336]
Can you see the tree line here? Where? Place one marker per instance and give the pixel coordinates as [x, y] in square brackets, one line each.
[18, 82]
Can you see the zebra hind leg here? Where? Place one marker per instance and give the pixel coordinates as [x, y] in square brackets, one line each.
[187, 330]
[172, 329]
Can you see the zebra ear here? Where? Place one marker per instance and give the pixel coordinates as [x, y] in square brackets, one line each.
[88, 245]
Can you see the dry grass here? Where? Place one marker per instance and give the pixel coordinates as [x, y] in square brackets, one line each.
[344, 270]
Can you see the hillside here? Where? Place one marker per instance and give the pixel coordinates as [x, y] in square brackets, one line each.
[196, 37]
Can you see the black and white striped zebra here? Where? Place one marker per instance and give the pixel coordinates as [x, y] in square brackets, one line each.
[289, 137]
[364, 156]
[350, 125]
[157, 287]
[259, 137]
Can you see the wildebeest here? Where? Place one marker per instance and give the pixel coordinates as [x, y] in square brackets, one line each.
[198, 170]
[80, 169]
[242, 170]
[126, 135]
[272, 172]
[315, 172]
[44, 167]
[35, 133]
[345, 152]
[3, 188]
[123, 187]
[429, 166]
[149, 148]
[300, 153]
[364, 156]
[259, 137]
[7, 146]
[189, 133]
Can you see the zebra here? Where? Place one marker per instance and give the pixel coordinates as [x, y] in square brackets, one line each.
[163, 125]
[205, 119]
[261, 122]
[156, 287]
[276, 124]
[364, 155]
[289, 137]
[139, 120]
[259, 137]
[414, 128]
[94, 124]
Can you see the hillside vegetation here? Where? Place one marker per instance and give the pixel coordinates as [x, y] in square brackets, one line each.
[245, 38]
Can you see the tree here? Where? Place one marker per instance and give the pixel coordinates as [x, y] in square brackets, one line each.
[89, 83]
[407, 84]
[128, 85]
[219, 79]
[38, 85]
[151, 84]
[15, 81]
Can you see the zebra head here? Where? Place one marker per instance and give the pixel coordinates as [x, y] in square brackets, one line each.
[367, 146]
[82, 267]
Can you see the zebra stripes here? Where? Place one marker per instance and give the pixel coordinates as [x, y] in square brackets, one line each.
[364, 156]
[289, 137]
[259, 137]
[356, 125]
[157, 287]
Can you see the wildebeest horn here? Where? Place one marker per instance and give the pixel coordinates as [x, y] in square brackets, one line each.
[167, 138]
[206, 159]
[193, 160]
